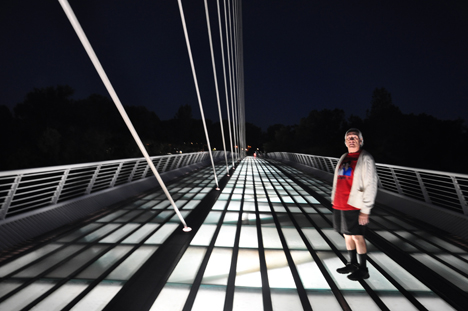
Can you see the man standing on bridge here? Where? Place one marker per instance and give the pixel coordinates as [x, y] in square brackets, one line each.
[353, 196]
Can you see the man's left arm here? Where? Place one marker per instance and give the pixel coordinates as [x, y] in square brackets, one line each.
[370, 179]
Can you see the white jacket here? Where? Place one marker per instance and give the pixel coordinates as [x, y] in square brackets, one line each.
[364, 187]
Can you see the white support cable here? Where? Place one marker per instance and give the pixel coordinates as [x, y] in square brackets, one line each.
[187, 41]
[238, 90]
[226, 91]
[228, 52]
[231, 79]
[236, 59]
[236, 81]
[216, 85]
[239, 74]
[94, 59]
[235, 76]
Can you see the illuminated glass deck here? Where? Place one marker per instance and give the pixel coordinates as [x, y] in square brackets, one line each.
[266, 243]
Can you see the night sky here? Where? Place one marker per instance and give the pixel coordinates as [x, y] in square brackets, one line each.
[298, 55]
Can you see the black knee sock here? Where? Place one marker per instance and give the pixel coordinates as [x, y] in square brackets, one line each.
[362, 260]
[352, 256]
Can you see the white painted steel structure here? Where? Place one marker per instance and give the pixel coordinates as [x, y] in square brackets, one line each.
[28, 190]
[441, 189]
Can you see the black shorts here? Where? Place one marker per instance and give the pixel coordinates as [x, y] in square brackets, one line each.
[347, 222]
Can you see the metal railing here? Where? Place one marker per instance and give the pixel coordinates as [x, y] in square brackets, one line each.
[27, 190]
[443, 189]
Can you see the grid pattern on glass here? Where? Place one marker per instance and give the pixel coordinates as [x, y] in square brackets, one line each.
[440, 254]
[272, 230]
[90, 263]
[266, 241]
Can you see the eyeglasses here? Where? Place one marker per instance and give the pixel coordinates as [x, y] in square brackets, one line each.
[352, 137]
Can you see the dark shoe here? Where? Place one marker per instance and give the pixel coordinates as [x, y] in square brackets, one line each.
[359, 274]
[349, 268]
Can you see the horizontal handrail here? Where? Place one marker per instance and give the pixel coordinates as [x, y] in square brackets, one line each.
[442, 189]
[27, 190]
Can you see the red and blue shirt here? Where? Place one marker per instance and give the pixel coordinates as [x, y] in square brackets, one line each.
[345, 181]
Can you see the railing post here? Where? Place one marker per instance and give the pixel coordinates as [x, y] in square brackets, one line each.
[461, 197]
[159, 163]
[304, 159]
[320, 162]
[331, 165]
[130, 178]
[9, 198]
[167, 163]
[183, 162]
[194, 159]
[175, 163]
[60, 186]
[313, 162]
[190, 161]
[397, 183]
[316, 162]
[174, 160]
[298, 157]
[147, 167]
[93, 179]
[379, 181]
[427, 199]
[308, 161]
[116, 175]
[201, 157]
[187, 159]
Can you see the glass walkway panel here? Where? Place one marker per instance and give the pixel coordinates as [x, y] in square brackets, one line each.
[265, 241]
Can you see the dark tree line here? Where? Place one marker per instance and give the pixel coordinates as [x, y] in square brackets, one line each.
[50, 128]
[420, 141]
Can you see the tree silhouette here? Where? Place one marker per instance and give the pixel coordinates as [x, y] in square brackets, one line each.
[51, 128]
[7, 136]
[320, 132]
[254, 137]
[382, 132]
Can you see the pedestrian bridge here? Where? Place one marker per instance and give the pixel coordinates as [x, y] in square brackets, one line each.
[264, 241]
